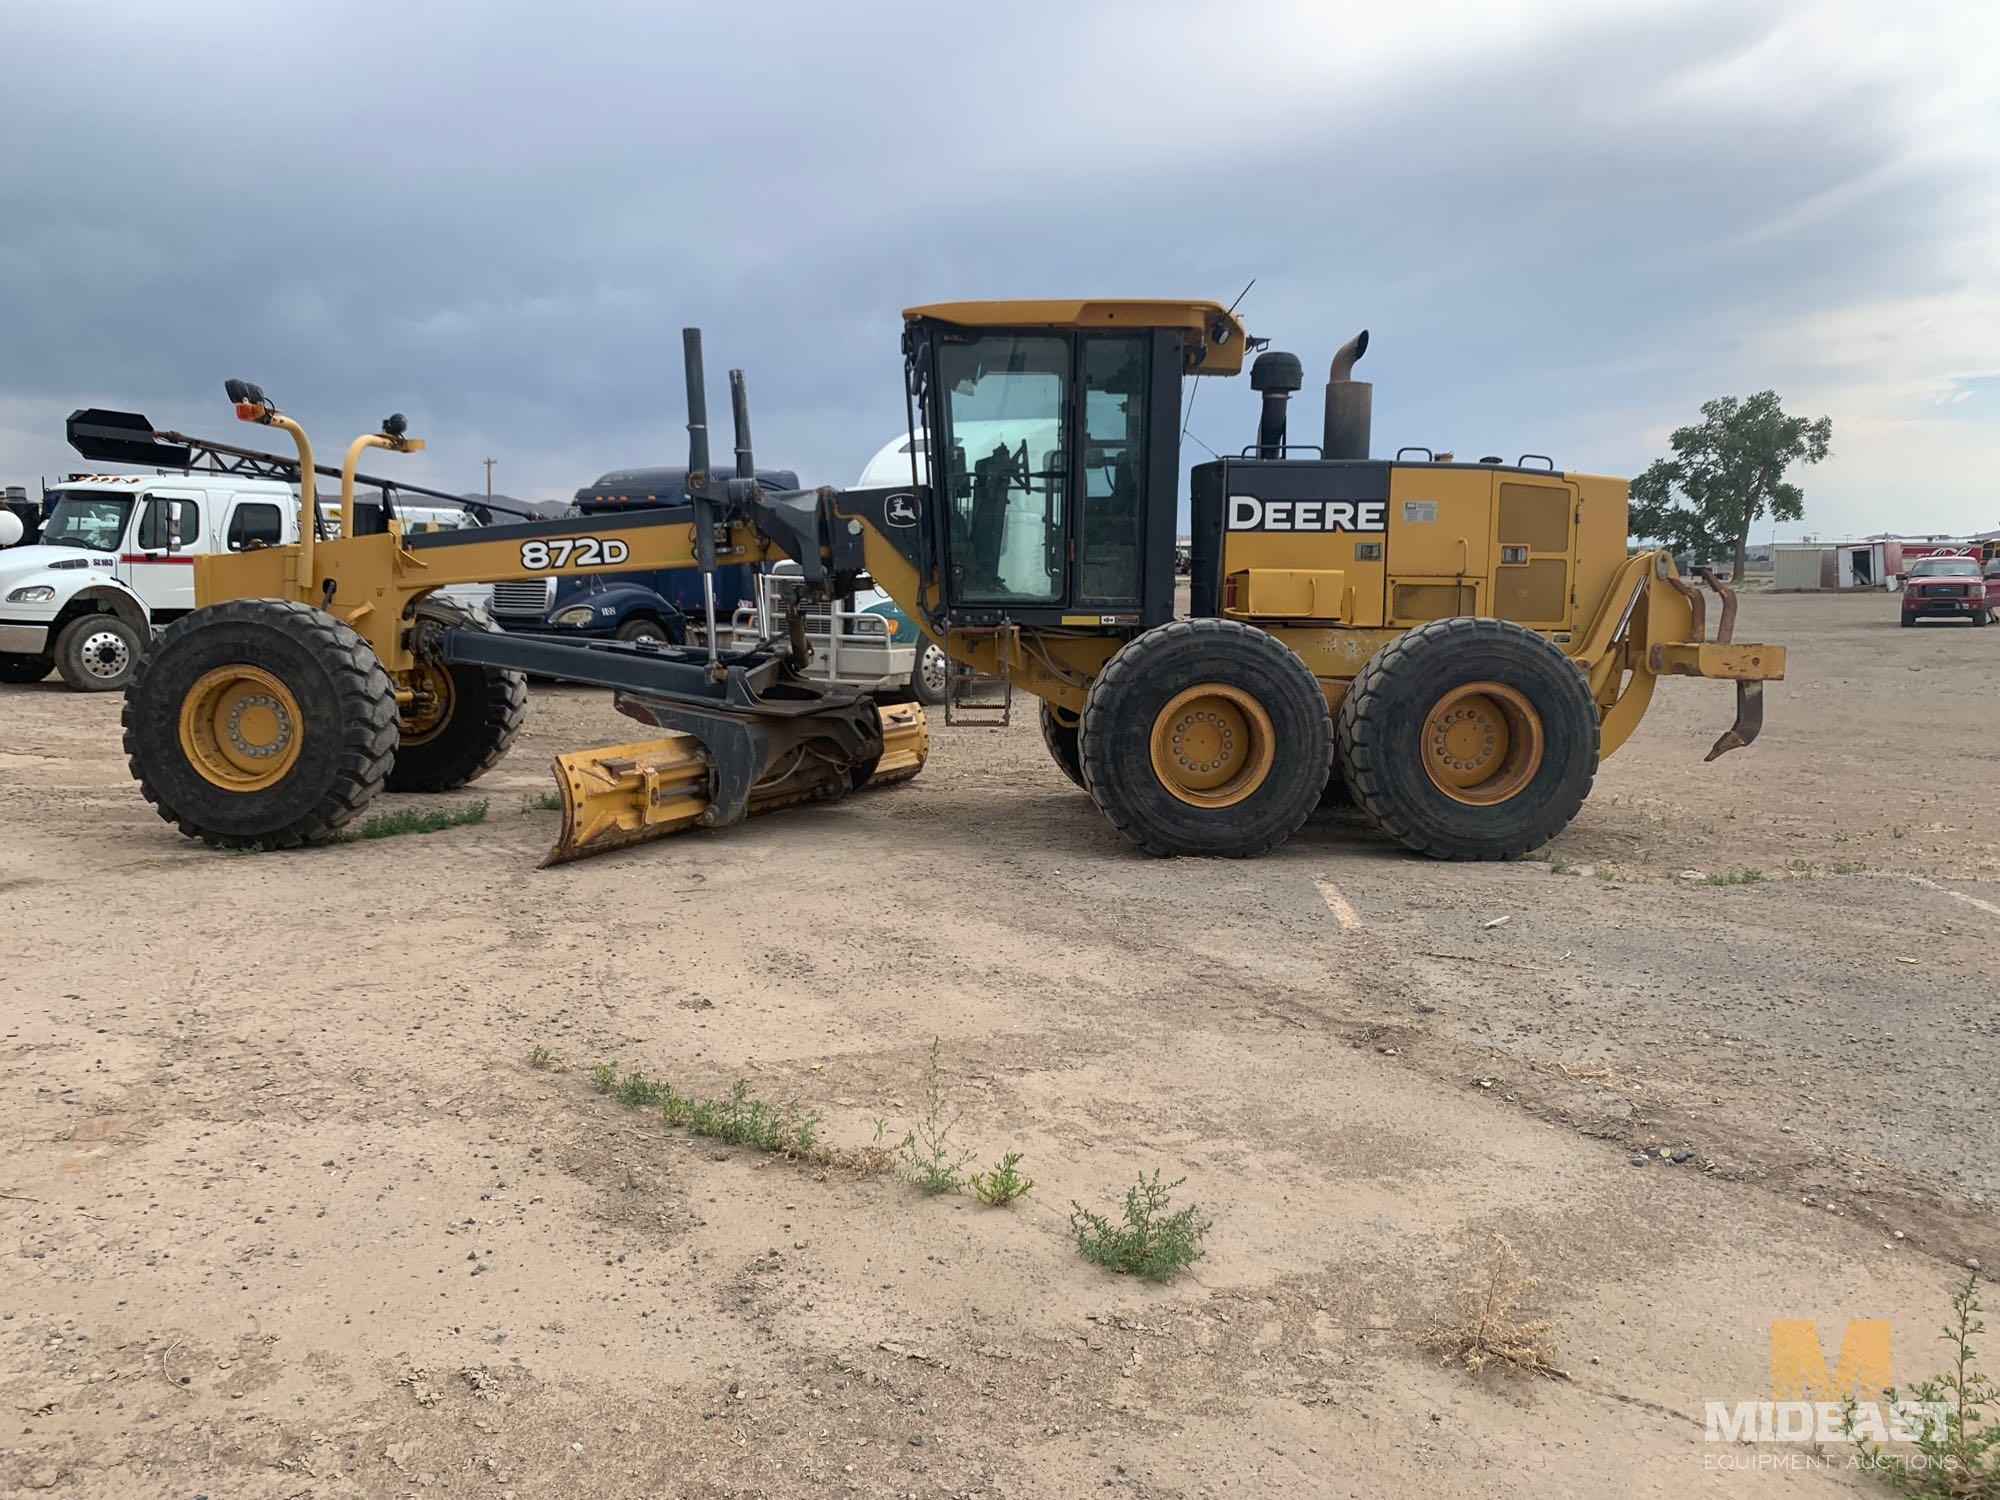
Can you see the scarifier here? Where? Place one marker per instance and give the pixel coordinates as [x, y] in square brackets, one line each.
[1454, 644]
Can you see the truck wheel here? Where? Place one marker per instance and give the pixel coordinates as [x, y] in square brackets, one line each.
[1908, 621]
[97, 653]
[1062, 741]
[929, 677]
[259, 722]
[17, 668]
[1206, 737]
[1979, 617]
[464, 717]
[1469, 739]
[643, 629]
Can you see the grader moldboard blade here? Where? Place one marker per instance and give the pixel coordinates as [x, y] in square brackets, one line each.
[745, 734]
[620, 795]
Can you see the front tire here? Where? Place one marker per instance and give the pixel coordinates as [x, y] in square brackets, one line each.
[1206, 737]
[465, 717]
[1063, 742]
[259, 722]
[1469, 738]
[20, 669]
[98, 653]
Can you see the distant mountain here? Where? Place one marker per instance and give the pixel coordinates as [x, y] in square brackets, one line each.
[536, 507]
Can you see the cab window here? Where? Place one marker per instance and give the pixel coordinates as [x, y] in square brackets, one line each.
[1006, 398]
[255, 522]
[169, 522]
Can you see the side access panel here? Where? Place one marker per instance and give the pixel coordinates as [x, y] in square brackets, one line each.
[1440, 543]
[1535, 549]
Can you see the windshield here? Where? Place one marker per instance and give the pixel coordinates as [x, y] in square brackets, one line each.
[1946, 567]
[85, 518]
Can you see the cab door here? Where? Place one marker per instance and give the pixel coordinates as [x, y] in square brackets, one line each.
[1113, 473]
[158, 559]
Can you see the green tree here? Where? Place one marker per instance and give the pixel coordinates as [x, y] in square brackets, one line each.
[1727, 470]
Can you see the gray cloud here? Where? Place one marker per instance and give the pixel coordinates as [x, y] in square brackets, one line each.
[1566, 226]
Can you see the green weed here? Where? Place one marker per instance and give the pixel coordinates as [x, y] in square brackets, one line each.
[542, 802]
[931, 1158]
[541, 1057]
[1003, 1184]
[739, 1118]
[1959, 1454]
[1734, 877]
[428, 820]
[1151, 1242]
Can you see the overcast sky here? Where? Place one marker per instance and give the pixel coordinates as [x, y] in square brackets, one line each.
[1565, 224]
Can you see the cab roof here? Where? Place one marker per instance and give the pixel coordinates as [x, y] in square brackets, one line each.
[1210, 333]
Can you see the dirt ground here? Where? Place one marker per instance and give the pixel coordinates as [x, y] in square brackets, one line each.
[285, 1211]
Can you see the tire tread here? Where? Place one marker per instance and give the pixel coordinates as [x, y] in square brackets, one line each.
[368, 732]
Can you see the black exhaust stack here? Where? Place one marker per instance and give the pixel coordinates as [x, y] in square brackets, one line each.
[1275, 376]
[1350, 403]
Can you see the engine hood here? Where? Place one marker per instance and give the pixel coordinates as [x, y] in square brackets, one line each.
[19, 563]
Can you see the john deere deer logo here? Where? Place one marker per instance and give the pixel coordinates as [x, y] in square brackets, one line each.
[900, 510]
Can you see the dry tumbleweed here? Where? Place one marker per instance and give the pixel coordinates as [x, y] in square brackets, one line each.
[1488, 1330]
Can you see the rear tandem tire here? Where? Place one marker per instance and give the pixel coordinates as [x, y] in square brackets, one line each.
[1206, 737]
[1469, 738]
[259, 723]
[484, 709]
[1062, 741]
[20, 669]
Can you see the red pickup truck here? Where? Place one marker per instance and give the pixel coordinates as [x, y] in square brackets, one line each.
[1952, 586]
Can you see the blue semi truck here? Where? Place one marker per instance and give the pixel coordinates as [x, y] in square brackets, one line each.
[648, 606]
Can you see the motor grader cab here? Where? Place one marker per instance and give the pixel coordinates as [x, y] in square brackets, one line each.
[1478, 629]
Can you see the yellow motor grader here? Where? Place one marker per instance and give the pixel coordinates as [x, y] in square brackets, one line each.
[1454, 644]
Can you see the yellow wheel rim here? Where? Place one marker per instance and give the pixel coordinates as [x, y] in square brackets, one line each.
[1212, 745]
[430, 707]
[1482, 743]
[241, 728]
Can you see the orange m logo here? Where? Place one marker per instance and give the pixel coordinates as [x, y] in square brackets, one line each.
[1798, 1364]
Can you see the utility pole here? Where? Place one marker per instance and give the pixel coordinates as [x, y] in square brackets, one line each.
[489, 480]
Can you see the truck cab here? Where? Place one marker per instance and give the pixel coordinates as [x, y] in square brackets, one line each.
[115, 561]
